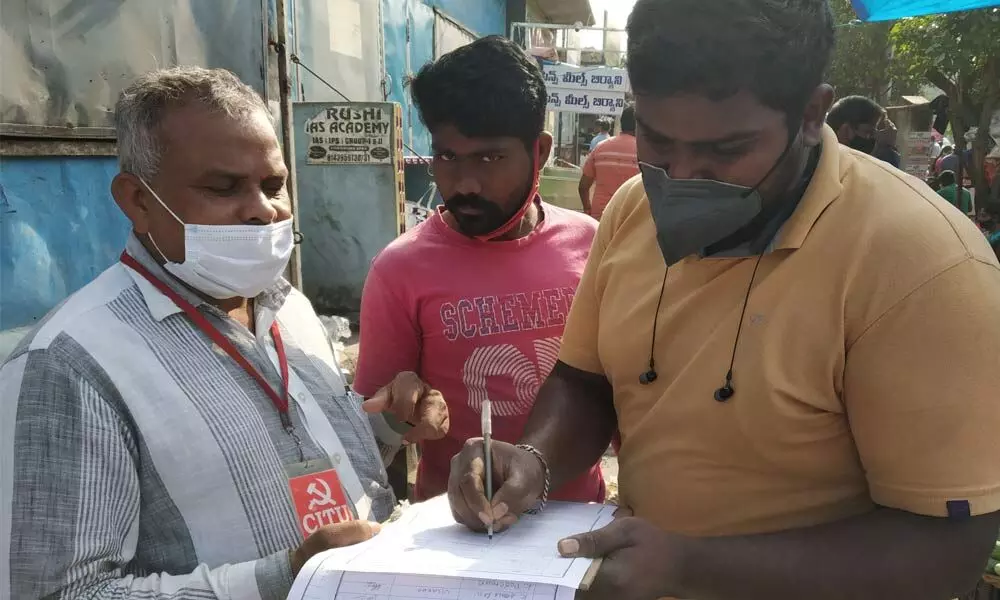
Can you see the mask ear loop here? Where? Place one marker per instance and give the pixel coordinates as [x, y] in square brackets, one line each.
[160, 200]
[165, 207]
[784, 154]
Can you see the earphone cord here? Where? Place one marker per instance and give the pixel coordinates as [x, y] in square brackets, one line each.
[656, 317]
[743, 313]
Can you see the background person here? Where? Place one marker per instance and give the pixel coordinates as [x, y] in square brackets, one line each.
[609, 166]
[603, 132]
[473, 300]
[948, 161]
[855, 119]
[885, 144]
[957, 196]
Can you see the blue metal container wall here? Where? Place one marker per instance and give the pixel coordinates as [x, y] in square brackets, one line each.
[59, 228]
[483, 17]
[421, 53]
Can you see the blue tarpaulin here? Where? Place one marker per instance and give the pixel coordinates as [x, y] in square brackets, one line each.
[888, 10]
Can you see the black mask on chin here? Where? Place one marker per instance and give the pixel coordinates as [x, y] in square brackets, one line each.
[862, 144]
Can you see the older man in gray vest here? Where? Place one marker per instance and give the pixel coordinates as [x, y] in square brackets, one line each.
[179, 428]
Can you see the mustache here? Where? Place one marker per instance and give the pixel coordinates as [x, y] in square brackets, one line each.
[468, 201]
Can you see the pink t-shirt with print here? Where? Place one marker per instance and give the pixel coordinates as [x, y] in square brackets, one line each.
[474, 318]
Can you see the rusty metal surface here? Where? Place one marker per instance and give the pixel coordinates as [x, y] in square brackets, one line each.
[65, 61]
[57, 147]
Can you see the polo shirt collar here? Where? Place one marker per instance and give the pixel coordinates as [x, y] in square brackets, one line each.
[160, 306]
[823, 189]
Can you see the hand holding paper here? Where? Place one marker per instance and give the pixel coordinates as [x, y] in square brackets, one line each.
[636, 558]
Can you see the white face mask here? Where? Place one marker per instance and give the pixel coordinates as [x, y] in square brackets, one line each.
[230, 261]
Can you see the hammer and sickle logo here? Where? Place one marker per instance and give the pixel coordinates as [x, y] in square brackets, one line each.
[321, 493]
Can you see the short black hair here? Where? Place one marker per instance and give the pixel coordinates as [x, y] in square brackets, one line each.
[628, 119]
[605, 124]
[778, 50]
[946, 178]
[854, 111]
[489, 88]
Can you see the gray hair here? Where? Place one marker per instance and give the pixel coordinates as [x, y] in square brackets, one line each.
[143, 106]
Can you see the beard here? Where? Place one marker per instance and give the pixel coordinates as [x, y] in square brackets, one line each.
[476, 216]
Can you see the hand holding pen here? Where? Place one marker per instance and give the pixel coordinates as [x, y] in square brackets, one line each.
[475, 499]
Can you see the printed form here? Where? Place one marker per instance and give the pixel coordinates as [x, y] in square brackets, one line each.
[425, 554]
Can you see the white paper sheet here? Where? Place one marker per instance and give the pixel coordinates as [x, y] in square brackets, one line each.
[427, 555]
[337, 585]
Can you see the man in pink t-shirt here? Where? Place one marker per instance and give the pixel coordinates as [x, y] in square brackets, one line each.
[474, 299]
[609, 166]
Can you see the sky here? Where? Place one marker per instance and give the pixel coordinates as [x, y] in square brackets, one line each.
[618, 11]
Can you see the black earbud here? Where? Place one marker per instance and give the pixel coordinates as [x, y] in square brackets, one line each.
[648, 377]
[725, 392]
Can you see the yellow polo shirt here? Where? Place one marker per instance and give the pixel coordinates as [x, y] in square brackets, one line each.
[865, 374]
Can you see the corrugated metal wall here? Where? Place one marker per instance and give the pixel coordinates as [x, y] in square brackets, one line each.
[59, 226]
[414, 19]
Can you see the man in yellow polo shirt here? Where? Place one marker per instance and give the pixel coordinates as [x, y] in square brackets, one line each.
[798, 343]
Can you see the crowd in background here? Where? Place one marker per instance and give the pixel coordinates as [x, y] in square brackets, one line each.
[864, 125]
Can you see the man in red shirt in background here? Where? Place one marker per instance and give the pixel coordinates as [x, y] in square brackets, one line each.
[609, 166]
[472, 302]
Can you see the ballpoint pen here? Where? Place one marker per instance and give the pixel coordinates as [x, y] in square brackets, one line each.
[487, 420]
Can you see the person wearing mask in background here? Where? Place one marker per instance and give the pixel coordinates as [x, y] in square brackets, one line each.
[179, 428]
[472, 302]
[609, 166]
[603, 132]
[856, 119]
[804, 377]
[885, 144]
[957, 196]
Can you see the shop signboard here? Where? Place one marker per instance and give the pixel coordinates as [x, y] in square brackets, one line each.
[355, 133]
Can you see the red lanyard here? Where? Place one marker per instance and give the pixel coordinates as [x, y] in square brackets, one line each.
[280, 401]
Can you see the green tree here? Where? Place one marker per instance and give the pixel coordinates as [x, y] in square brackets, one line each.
[959, 53]
[861, 56]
